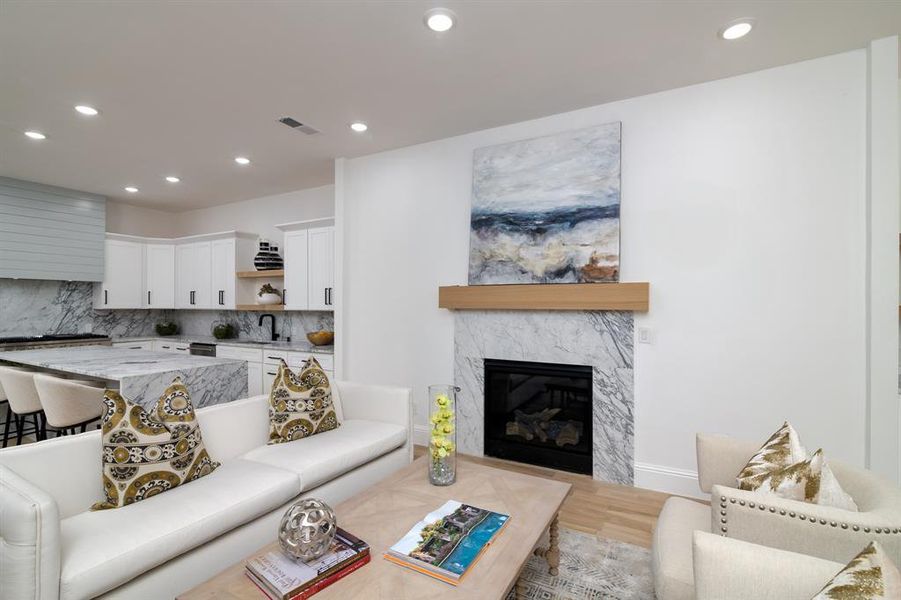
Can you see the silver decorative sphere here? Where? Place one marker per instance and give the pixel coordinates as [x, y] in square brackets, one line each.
[307, 529]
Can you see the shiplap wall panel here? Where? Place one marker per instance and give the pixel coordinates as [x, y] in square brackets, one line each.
[50, 233]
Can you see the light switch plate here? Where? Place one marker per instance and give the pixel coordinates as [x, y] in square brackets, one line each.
[644, 335]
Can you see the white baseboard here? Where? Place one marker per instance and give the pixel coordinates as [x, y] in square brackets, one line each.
[421, 435]
[668, 479]
[652, 477]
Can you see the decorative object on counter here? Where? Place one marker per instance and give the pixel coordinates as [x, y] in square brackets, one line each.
[166, 328]
[223, 331]
[268, 295]
[443, 438]
[307, 529]
[268, 258]
[321, 338]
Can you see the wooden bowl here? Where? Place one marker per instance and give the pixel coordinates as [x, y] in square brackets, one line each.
[321, 338]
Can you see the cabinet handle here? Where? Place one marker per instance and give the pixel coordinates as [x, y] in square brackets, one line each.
[222, 297]
[284, 296]
[134, 348]
[269, 373]
[330, 296]
[192, 297]
[325, 296]
[148, 297]
[166, 347]
[274, 357]
[106, 296]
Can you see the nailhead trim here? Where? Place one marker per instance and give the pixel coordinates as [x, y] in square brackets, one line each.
[802, 517]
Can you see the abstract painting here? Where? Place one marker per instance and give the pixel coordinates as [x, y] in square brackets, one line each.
[546, 210]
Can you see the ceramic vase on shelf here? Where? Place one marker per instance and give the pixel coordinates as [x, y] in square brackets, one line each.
[268, 258]
[443, 434]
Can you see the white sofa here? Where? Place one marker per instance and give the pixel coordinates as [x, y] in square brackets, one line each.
[53, 547]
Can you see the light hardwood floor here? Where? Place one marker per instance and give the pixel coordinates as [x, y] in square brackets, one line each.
[608, 510]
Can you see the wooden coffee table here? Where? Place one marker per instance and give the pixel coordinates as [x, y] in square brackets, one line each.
[382, 514]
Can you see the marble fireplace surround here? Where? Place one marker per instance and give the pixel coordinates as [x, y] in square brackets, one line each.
[599, 339]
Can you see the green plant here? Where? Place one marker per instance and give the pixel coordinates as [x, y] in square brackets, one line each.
[223, 331]
[267, 289]
[166, 328]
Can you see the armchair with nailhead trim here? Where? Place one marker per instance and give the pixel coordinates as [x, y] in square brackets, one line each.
[808, 529]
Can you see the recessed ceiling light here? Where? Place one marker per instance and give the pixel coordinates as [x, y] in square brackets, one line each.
[36, 135]
[439, 19]
[172, 179]
[86, 110]
[242, 160]
[359, 126]
[131, 189]
[736, 29]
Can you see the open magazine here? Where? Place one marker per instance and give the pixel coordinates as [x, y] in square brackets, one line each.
[448, 541]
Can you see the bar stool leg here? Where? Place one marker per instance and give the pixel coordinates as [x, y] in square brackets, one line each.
[9, 415]
[20, 426]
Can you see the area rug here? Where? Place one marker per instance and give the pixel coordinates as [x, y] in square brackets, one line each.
[591, 567]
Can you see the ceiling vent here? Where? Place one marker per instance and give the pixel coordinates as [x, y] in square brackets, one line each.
[295, 124]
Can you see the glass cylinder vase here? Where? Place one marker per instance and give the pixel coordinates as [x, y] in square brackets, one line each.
[443, 434]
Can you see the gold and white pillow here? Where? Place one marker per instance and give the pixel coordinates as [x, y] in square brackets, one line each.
[145, 454]
[870, 575]
[781, 468]
[300, 405]
[781, 450]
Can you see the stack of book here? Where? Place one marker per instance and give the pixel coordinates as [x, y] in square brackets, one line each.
[283, 578]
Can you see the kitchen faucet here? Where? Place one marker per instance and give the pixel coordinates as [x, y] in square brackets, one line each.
[275, 336]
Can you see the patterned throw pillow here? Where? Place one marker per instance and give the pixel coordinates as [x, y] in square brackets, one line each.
[781, 450]
[300, 405]
[806, 481]
[146, 454]
[869, 576]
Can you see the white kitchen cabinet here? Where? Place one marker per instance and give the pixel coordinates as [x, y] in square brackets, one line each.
[171, 346]
[296, 270]
[193, 275]
[145, 345]
[159, 276]
[123, 276]
[222, 273]
[321, 269]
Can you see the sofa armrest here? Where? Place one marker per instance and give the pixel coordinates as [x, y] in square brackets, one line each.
[721, 458]
[378, 403]
[822, 531]
[30, 538]
[725, 568]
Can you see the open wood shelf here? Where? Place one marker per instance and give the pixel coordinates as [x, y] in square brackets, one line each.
[558, 296]
[273, 274]
[261, 307]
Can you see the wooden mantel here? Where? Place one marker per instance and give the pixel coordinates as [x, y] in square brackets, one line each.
[557, 296]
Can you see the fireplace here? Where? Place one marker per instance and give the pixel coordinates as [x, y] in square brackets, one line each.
[539, 413]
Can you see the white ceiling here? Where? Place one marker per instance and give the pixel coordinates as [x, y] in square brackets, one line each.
[183, 87]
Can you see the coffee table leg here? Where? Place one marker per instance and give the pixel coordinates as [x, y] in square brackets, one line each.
[519, 589]
[552, 553]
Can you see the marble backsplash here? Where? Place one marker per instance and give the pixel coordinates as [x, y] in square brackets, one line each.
[601, 340]
[33, 307]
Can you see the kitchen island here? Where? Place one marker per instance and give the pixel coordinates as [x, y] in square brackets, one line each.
[142, 375]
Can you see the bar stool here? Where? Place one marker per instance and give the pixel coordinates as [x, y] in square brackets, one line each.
[24, 402]
[69, 403]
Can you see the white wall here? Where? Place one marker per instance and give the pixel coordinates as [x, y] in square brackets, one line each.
[137, 220]
[260, 215]
[744, 206]
[257, 215]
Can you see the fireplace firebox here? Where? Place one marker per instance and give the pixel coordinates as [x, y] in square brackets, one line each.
[539, 413]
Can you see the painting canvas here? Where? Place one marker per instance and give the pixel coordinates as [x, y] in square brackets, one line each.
[546, 210]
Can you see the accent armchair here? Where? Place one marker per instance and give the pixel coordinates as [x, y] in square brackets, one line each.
[808, 529]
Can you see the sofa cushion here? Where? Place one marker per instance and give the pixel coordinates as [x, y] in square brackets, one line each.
[300, 405]
[320, 458]
[103, 549]
[671, 559]
[148, 453]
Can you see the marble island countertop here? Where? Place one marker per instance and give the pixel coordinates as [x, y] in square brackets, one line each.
[141, 375]
[104, 362]
[293, 346]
